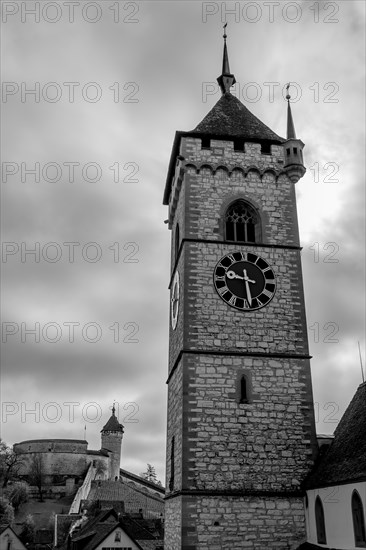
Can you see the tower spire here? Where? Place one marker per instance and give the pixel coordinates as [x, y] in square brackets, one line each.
[226, 79]
[291, 134]
[294, 163]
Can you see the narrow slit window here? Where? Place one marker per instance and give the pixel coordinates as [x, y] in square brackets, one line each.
[243, 390]
[358, 517]
[177, 241]
[172, 453]
[320, 521]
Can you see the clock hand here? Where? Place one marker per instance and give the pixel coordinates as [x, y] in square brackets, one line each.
[247, 281]
[233, 275]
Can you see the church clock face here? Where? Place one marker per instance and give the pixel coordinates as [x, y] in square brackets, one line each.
[244, 281]
[174, 301]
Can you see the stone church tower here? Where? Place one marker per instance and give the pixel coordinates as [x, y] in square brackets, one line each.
[241, 431]
[112, 434]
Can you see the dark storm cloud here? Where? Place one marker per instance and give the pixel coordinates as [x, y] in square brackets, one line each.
[169, 56]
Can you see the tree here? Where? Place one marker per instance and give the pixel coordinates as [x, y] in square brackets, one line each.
[6, 513]
[150, 475]
[28, 533]
[18, 494]
[10, 462]
[36, 474]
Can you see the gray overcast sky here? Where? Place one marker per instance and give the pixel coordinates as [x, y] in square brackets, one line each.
[113, 82]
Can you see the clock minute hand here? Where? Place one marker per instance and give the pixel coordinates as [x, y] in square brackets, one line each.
[247, 281]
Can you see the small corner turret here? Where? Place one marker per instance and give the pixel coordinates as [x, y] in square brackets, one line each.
[294, 162]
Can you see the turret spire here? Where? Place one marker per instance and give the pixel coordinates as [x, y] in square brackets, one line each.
[291, 134]
[226, 79]
[294, 163]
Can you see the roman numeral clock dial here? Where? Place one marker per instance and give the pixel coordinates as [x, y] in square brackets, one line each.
[244, 281]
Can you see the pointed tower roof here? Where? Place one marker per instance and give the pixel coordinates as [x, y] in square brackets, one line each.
[113, 425]
[230, 118]
[291, 134]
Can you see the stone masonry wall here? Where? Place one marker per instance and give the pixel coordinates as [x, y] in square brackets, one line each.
[213, 181]
[249, 522]
[112, 442]
[62, 464]
[263, 445]
[175, 428]
[172, 524]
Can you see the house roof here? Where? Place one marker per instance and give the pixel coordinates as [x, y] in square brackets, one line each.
[106, 522]
[229, 117]
[345, 459]
[4, 528]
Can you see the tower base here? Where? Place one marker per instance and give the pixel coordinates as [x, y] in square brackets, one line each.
[232, 522]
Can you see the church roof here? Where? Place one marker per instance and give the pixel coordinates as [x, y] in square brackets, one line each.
[113, 425]
[230, 118]
[345, 459]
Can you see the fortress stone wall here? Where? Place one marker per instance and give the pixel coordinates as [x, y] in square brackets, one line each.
[61, 458]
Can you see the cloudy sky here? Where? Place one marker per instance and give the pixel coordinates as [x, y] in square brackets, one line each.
[85, 157]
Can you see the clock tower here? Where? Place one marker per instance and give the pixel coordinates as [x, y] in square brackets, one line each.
[241, 432]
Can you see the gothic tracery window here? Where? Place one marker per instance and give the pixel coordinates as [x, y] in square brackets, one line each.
[241, 223]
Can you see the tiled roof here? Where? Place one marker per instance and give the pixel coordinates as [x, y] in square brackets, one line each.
[345, 459]
[141, 531]
[134, 498]
[142, 481]
[113, 425]
[229, 117]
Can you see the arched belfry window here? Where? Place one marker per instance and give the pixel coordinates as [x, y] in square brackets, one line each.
[320, 521]
[242, 223]
[358, 516]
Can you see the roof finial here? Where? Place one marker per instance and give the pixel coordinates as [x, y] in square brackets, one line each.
[113, 409]
[226, 79]
[291, 134]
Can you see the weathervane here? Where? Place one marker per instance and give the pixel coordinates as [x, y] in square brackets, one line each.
[288, 97]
